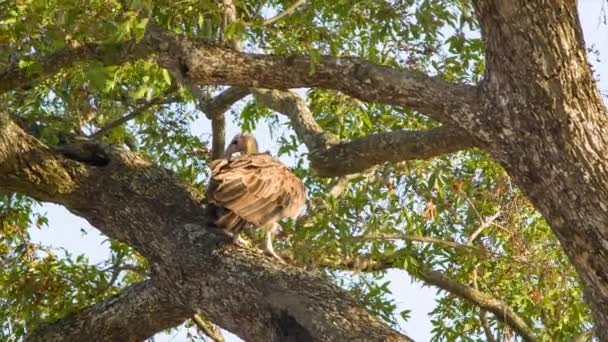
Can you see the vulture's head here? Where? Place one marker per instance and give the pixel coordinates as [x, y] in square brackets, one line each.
[243, 144]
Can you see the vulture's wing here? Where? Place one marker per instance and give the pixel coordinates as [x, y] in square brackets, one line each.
[258, 188]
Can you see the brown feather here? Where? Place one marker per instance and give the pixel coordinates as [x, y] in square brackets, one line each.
[256, 188]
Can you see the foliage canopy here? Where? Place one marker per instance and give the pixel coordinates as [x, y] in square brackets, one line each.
[457, 214]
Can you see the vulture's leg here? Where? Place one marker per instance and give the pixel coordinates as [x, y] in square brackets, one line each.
[273, 229]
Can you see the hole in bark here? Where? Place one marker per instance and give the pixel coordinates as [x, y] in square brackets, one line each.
[88, 153]
[288, 329]
[183, 69]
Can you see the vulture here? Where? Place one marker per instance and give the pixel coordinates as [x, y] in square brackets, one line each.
[252, 189]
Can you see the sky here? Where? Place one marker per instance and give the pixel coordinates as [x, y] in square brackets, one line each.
[65, 229]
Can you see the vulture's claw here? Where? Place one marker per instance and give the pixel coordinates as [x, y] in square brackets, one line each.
[270, 250]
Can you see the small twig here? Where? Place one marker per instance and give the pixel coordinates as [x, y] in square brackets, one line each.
[288, 11]
[214, 109]
[483, 314]
[208, 328]
[136, 112]
[428, 239]
[340, 184]
[485, 224]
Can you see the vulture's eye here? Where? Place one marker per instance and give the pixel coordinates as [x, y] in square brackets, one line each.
[233, 142]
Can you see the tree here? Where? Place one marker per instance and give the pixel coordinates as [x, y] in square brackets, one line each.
[429, 147]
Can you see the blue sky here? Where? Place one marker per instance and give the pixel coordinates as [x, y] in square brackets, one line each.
[65, 229]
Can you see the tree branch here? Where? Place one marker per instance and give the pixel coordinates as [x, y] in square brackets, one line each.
[483, 314]
[287, 12]
[208, 328]
[214, 110]
[330, 157]
[223, 101]
[134, 315]
[427, 239]
[129, 199]
[160, 100]
[502, 311]
[396, 146]
[485, 224]
[293, 106]
[486, 302]
[14, 77]
[204, 63]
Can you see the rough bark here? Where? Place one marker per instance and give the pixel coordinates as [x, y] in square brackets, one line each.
[549, 128]
[331, 157]
[133, 201]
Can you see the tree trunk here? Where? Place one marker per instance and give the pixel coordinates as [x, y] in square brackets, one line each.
[549, 128]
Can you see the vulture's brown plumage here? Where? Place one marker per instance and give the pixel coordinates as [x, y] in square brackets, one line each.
[253, 188]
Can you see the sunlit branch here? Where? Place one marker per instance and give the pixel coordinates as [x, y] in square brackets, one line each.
[426, 239]
[160, 100]
[483, 314]
[485, 224]
[208, 328]
[502, 311]
[287, 12]
[331, 157]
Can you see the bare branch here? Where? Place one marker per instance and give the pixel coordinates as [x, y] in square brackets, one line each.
[485, 224]
[223, 101]
[502, 311]
[214, 109]
[161, 100]
[427, 239]
[287, 12]
[293, 106]
[360, 154]
[208, 328]
[218, 131]
[330, 157]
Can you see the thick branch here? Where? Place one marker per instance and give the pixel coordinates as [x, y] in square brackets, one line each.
[133, 315]
[208, 64]
[360, 154]
[329, 157]
[133, 201]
